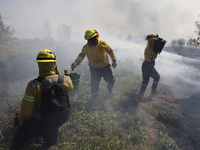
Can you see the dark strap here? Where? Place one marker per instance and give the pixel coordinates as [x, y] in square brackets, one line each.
[46, 83]
[60, 80]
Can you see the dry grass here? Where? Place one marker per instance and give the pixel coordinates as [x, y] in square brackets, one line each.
[120, 121]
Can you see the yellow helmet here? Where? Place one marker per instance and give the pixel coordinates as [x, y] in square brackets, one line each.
[151, 36]
[90, 33]
[46, 55]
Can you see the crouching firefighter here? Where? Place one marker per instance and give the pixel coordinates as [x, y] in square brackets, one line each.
[148, 70]
[97, 52]
[45, 105]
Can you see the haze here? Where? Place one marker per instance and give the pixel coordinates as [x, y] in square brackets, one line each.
[114, 20]
[171, 19]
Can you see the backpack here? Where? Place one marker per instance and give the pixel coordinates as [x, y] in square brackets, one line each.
[55, 103]
[158, 45]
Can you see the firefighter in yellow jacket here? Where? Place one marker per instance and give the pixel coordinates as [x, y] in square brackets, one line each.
[148, 69]
[96, 51]
[31, 102]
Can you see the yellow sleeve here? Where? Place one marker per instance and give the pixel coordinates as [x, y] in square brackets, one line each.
[112, 55]
[28, 104]
[68, 84]
[81, 56]
[109, 50]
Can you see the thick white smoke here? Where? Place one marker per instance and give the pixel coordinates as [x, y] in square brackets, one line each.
[171, 19]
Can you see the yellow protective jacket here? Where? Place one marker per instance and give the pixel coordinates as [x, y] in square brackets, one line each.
[149, 54]
[97, 55]
[33, 94]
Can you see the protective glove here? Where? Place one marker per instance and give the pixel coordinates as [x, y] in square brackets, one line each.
[73, 66]
[15, 119]
[114, 63]
[67, 73]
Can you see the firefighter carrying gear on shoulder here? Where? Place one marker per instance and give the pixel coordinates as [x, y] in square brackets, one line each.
[148, 69]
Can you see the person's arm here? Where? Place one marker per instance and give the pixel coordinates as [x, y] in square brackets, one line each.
[111, 53]
[79, 59]
[68, 82]
[28, 104]
[112, 56]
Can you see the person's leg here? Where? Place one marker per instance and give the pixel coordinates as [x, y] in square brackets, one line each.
[30, 128]
[95, 79]
[155, 75]
[144, 84]
[50, 135]
[146, 70]
[109, 78]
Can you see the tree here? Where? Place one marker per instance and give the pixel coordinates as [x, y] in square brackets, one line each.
[65, 32]
[129, 37]
[197, 24]
[5, 30]
[195, 41]
[178, 43]
[47, 30]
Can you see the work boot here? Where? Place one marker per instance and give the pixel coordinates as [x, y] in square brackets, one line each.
[110, 90]
[154, 92]
[153, 88]
[141, 95]
[54, 147]
[95, 95]
[142, 90]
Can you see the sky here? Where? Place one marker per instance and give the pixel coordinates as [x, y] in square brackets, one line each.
[171, 19]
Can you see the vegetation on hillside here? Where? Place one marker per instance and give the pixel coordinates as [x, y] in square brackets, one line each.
[17, 55]
[5, 30]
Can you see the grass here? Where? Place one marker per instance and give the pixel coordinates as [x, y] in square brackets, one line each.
[101, 131]
[117, 122]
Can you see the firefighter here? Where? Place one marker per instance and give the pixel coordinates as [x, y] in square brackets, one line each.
[148, 69]
[32, 125]
[97, 52]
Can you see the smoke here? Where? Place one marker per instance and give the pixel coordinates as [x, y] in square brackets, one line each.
[170, 19]
[177, 72]
[122, 24]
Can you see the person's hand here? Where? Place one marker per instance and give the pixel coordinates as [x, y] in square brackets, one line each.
[73, 66]
[15, 119]
[67, 73]
[114, 63]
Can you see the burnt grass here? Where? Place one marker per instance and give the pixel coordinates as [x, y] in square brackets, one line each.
[185, 129]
